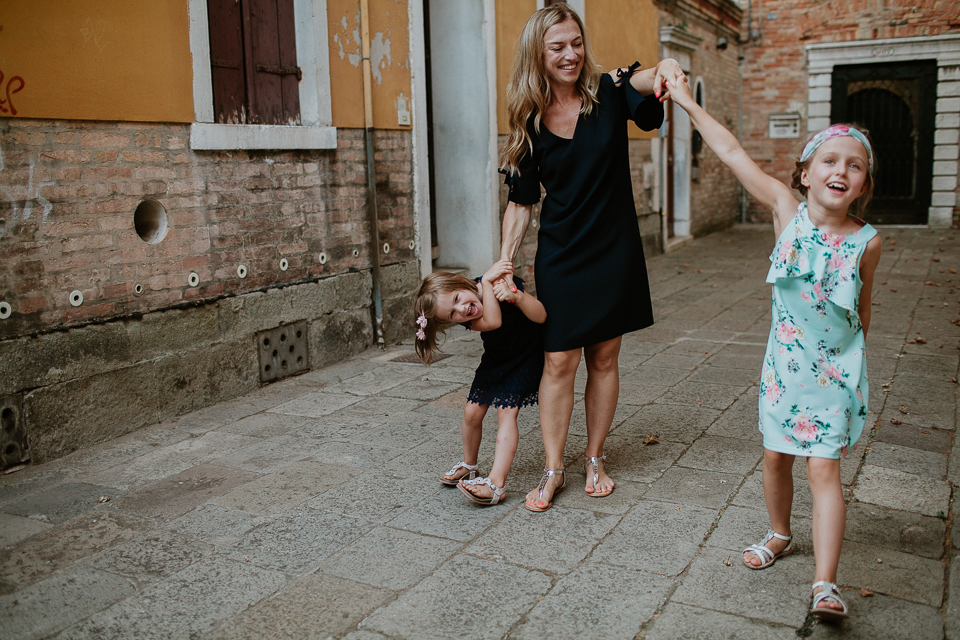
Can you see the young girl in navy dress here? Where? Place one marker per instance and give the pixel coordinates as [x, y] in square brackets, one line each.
[813, 388]
[509, 373]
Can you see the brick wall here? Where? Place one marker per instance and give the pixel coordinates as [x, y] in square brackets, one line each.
[775, 71]
[121, 360]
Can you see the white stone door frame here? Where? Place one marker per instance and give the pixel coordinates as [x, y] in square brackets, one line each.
[822, 57]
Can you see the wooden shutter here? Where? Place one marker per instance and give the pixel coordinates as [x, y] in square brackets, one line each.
[226, 61]
[253, 58]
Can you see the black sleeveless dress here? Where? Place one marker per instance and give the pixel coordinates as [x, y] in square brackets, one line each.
[512, 360]
[590, 270]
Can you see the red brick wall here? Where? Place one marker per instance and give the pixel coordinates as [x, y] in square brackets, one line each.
[68, 192]
[775, 72]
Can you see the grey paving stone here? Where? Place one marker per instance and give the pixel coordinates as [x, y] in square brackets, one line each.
[780, 596]
[904, 491]
[373, 411]
[178, 494]
[444, 605]
[725, 375]
[628, 458]
[684, 622]
[933, 366]
[670, 422]
[285, 489]
[351, 455]
[316, 607]
[390, 558]
[215, 416]
[297, 542]
[32, 479]
[916, 437]
[449, 373]
[625, 495]
[13, 529]
[364, 496]
[652, 375]
[170, 460]
[385, 377]
[203, 595]
[363, 634]
[898, 530]
[657, 537]
[929, 403]
[60, 601]
[952, 613]
[572, 608]
[740, 421]
[637, 393]
[881, 617]
[740, 527]
[715, 453]
[316, 405]
[272, 454]
[266, 425]
[556, 540]
[692, 486]
[41, 555]
[126, 447]
[153, 555]
[59, 503]
[899, 575]
[908, 460]
[404, 432]
[703, 394]
[578, 419]
[420, 389]
[215, 525]
[448, 514]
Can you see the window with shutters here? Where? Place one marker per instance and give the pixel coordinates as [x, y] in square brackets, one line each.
[261, 75]
[253, 61]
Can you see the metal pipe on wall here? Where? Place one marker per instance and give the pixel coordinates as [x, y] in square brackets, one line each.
[371, 174]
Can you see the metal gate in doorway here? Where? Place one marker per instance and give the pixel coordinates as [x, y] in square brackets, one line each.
[897, 104]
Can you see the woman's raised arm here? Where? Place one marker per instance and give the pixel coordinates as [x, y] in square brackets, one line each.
[515, 221]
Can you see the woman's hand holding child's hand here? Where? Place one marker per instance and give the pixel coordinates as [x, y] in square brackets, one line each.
[504, 292]
[498, 270]
[679, 92]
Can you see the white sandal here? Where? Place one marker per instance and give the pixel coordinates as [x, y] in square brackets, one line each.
[829, 591]
[768, 557]
[487, 502]
[472, 470]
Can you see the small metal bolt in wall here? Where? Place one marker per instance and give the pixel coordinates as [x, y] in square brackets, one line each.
[284, 264]
[5, 310]
[322, 258]
[76, 298]
[356, 252]
[412, 245]
[138, 289]
[193, 279]
[242, 271]
[386, 247]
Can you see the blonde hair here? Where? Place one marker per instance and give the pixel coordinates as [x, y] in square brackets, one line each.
[860, 204]
[425, 304]
[528, 92]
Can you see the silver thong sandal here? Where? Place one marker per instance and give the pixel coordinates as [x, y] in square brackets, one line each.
[548, 474]
[768, 557]
[829, 591]
[471, 471]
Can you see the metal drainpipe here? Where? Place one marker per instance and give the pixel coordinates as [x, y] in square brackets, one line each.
[371, 175]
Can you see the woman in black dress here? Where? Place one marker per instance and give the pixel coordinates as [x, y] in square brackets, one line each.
[568, 132]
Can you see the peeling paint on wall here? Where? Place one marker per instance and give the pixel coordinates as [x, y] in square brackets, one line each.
[349, 47]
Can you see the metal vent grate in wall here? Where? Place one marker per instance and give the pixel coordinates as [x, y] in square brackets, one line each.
[283, 351]
[14, 447]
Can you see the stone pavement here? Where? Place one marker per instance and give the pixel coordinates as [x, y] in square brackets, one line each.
[312, 508]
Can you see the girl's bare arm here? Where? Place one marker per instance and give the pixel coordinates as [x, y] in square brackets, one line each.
[868, 267]
[769, 191]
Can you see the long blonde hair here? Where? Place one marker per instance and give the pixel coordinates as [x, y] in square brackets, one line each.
[528, 92]
[425, 306]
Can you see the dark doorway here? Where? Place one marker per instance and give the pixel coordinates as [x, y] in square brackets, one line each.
[897, 104]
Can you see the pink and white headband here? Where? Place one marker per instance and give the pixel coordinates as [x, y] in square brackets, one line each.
[837, 131]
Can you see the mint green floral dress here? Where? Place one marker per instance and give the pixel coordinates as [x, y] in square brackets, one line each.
[813, 389]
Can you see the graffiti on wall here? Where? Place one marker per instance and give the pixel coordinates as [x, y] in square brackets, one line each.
[10, 87]
[14, 210]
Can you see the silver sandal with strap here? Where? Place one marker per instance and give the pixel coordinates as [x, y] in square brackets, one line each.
[472, 470]
[595, 462]
[829, 591]
[548, 474]
[486, 502]
[768, 557]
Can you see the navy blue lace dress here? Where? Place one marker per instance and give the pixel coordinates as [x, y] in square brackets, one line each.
[590, 271]
[512, 360]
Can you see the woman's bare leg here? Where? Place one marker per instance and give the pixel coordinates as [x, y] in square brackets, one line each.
[600, 400]
[556, 407]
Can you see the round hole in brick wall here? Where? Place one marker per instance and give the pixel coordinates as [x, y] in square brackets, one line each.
[150, 221]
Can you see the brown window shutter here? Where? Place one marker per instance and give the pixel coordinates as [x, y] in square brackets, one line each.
[275, 77]
[227, 61]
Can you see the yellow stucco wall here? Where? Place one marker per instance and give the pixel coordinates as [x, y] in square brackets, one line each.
[389, 58]
[97, 59]
[620, 32]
